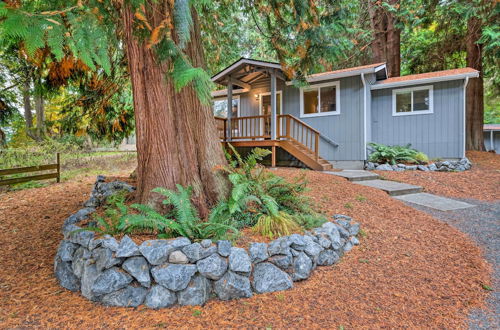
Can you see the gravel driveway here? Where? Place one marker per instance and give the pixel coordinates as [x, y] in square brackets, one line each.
[482, 224]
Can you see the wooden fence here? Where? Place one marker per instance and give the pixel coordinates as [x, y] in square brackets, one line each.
[21, 170]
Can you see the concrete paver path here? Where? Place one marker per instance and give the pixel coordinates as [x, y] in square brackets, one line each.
[391, 187]
[435, 202]
[356, 175]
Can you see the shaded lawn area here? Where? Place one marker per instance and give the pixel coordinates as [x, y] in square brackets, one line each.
[410, 270]
[481, 182]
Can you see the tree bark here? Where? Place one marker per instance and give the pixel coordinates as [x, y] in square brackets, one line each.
[177, 141]
[475, 88]
[28, 115]
[40, 117]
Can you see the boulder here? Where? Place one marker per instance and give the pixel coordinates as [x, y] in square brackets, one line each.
[233, 286]
[396, 168]
[239, 261]
[104, 259]
[348, 246]
[327, 258]
[343, 232]
[110, 280]
[138, 267]
[127, 248]
[354, 241]
[403, 166]
[313, 249]
[269, 278]
[342, 217]
[354, 229]
[177, 257]
[224, 248]
[324, 241]
[66, 250]
[193, 251]
[206, 243]
[384, 167]
[302, 267]
[212, 267]
[160, 297]
[281, 260]
[89, 275]
[370, 166]
[432, 167]
[422, 168]
[297, 242]
[196, 293]
[77, 236]
[126, 297]
[174, 277]
[80, 256]
[65, 276]
[258, 252]
[279, 246]
[411, 167]
[107, 241]
[156, 251]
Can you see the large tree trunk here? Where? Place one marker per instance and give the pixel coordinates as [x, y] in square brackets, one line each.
[177, 141]
[28, 115]
[475, 90]
[40, 117]
[386, 44]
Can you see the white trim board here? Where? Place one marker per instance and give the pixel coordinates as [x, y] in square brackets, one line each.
[318, 86]
[395, 92]
[424, 81]
[341, 74]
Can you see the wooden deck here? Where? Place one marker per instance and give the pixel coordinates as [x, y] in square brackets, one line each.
[293, 135]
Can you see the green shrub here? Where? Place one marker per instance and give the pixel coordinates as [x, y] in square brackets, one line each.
[279, 224]
[381, 153]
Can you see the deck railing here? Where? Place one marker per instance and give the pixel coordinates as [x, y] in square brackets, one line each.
[259, 127]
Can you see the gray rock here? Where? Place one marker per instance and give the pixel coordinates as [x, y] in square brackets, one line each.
[327, 258]
[313, 250]
[208, 251]
[460, 168]
[80, 215]
[269, 278]
[295, 253]
[212, 267]
[348, 246]
[354, 241]
[80, 256]
[297, 242]
[224, 248]
[281, 260]
[104, 259]
[177, 257]
[160, 297]
[174, 277]
[333, 234]
[193, 251]
[138, 267]
[65, 276]
[446, 163]
[233, 286]
[403, 166]
[126, 297]
[156, 251]
[432, 167]
[279, 246]
[79, 237]
[324, 241]
[411, 167]
[384, 167]
[66, 250]
[196, 293]
[89, 276]
[370, 166]
[302, 266]
[399, 169]
[258, 252]
[206, 243]
[127, 248]
[239, 261]
[110, 280]
[354, 229]
[107, 242]
[395, 168]
[179, 242]
[342, 217]
[343, 232]
[423, 168]
[344, 223]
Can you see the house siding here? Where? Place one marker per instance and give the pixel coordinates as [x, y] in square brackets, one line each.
[439, 134]
[496, 141]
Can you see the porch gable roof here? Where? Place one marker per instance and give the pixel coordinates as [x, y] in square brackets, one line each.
[246, 70]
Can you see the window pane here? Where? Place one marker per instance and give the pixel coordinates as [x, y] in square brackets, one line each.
[403, 102]
[421, 100]
[220, 108]
[311, 101]
[328, 99]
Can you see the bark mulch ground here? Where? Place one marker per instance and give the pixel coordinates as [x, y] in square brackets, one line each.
[481, 182]
[410, 270]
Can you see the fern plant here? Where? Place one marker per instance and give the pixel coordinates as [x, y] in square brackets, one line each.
[381, 153]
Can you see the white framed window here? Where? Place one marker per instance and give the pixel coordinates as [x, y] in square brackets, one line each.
[412, 101]
[320, 100]
[220, 106]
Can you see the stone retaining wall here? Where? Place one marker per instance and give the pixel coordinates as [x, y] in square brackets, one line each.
[445, 166]
[162, 273]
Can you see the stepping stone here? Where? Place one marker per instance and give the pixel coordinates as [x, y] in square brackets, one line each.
[391, 187]
[434, 202]
[355, 175]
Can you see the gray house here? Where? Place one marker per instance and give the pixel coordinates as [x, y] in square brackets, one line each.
[332, 119]
[492, 137]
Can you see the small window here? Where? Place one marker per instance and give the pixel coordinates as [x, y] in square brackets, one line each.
[220, 107]
[412, 101]
[320, 100]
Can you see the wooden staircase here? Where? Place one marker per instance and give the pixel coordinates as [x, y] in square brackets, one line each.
[293, 135]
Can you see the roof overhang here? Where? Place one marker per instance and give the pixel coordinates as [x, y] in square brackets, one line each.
[244, 67]
[223, 92]
[382, 85]
[342, 74]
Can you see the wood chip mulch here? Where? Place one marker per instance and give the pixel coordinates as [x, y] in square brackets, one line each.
[481, 182]
[410, 270]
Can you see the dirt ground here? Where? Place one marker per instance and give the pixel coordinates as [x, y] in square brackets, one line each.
[410, 270]
[481, 182]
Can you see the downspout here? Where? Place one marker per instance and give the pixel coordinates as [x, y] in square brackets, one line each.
[364, 116]
[465, 112]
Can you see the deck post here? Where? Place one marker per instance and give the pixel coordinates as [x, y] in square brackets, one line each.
[273, 105]
[229, 108]
[273, 156]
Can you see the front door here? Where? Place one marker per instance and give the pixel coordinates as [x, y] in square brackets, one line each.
[265, 109]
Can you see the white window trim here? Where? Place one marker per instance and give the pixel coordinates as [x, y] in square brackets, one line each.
[269, 93]
[430, 88]
[236, 97]
[318, 86]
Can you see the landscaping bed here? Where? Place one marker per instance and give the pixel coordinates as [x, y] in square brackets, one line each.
[481, 182]
[410, 270]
